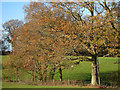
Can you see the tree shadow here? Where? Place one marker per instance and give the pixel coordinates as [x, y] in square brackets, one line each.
[109, 78]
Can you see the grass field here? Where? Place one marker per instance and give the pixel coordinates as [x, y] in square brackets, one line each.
[82, 72]
[17, 85]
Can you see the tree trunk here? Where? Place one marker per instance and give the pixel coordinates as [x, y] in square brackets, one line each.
[98, 73]
[45, 73]
[33, 75]
[17, 75]
[94, 71]
[53, 73]
[60, 71]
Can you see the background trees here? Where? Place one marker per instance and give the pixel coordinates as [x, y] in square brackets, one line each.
[12, 32]
[9, 28]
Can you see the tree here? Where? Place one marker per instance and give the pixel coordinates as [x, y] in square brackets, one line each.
[10, 27]
[96, 33]
[13, 30]
[49, 41]
[42, 48]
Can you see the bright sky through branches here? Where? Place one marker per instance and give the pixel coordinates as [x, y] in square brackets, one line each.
[13, 9]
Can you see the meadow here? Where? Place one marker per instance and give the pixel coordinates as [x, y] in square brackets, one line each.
[80, 73]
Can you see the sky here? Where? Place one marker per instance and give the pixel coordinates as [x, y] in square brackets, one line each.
[12, 10]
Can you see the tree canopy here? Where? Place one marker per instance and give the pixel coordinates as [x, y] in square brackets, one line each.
[52, 30]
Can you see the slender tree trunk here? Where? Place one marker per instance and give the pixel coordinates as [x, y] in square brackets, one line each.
[17, 75]
[98, 74]
[53, 73]
[40, 76]
[45, 73]
[94, 71]
[60, 71]
[33, 75]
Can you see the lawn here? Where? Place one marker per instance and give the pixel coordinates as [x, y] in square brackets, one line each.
[17, 85]
[81, 72]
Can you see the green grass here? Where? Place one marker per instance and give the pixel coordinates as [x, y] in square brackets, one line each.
[82, 72]
[4, 57]
[17, 85]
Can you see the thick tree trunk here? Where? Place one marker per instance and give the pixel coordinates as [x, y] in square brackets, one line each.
[94, 71]
[60, 71]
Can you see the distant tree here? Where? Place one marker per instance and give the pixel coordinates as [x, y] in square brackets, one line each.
[10, 27]
[15, 62]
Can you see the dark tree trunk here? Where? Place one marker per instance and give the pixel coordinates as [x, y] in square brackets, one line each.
[40, 76]
[52, 77]
[60, 71]
[45, 77]
[33, 75]
[45, 73]
[94, 71]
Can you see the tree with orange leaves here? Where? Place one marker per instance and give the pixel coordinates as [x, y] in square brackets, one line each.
[97, 32]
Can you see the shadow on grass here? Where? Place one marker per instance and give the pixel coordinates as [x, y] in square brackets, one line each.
[109, 78]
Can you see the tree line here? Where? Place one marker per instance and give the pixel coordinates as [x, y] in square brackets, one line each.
[54, 31]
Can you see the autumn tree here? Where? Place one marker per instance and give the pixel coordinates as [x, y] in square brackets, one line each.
[13, 28]
[42, 50]
[96, 32]
[49, 33]
[10, 27]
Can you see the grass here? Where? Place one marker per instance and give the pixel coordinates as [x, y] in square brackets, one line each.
[4, 57]
[82, 72]
[17, 85]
